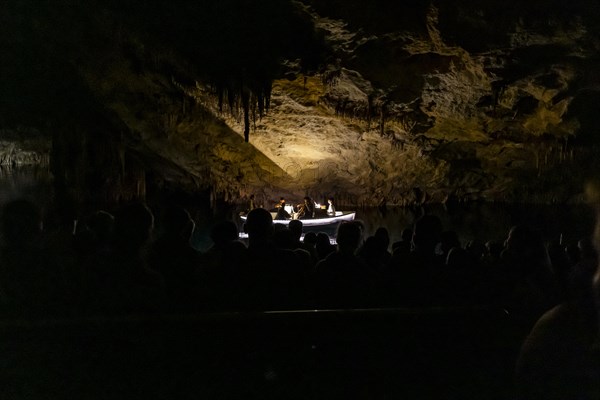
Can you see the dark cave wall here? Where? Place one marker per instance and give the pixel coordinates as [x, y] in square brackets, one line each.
[42, 88]
[57, 81]
[101, 79]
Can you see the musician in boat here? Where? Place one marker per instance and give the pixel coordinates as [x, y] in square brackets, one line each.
[330, 207]
[306, 210]
[282, 213]
[281, 203]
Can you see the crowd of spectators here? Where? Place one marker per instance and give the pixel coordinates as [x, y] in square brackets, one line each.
[129, 262]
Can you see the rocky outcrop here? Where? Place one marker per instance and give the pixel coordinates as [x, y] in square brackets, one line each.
[23, 147]
[412, 102]
[490, 113]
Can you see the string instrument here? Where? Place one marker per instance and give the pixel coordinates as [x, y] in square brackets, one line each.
[301, 210]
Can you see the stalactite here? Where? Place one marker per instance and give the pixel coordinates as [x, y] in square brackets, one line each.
[220, 93]
[246, 109]
[267, 96]
[254, 104]
[252, 100]
[231, 99]
[369, 110]
[260, 103]
[382, 119]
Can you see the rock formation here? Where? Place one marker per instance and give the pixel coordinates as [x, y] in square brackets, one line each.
[420, 101]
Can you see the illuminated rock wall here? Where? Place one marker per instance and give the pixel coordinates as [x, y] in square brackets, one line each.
[411, 103]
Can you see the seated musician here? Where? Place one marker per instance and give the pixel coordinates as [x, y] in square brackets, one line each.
[280, 203]
[306, 209]
[330, 207]
[281, 211]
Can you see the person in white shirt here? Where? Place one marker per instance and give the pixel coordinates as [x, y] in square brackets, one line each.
[330, 207]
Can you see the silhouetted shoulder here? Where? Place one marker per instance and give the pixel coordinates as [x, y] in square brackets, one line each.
[559, 358]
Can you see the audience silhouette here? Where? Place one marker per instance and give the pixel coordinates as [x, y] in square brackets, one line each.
[31, 284]
[173, 256]
[342, 278]
[119, 267]
[530, 287]
[276, 267]
[116, 263]
[412, 277]
[323, 245]
[278, 275]
[123, 282]
[560, 357]
[223, 274]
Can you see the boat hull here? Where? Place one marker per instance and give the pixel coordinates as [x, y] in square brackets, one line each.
[317, 222]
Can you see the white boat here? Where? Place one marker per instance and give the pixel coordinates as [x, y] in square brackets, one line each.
[324, 221]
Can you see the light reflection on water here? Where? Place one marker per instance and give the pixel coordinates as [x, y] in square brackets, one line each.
[31, 182]
[475, 221]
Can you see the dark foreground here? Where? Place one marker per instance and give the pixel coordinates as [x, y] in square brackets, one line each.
[418, 353]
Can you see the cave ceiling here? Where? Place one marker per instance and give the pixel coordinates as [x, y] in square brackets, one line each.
[409, 101]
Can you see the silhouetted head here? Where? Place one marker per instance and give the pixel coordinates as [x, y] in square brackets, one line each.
[448, 240]
[322, 239]
[407, 234]
[101, 224]
[494, 248]
[277, 227]
[176, 222]
[283, 238]
[476, 250]
[259, 224]
[133, 226]
[519, 238]
[349, 236]
[295, 227]
[525, 246]
[383, 238]
[523, 241]
[371, 247]
[310, 238]
[586, 248]
[21, 223]
[224, 232]
[427, 231]
[458, 258]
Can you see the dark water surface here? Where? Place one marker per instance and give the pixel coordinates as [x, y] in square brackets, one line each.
[472, 221]
[488, 221]
[33, 183]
